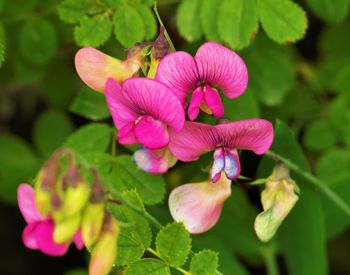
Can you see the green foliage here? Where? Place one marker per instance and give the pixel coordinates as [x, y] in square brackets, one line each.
[209, 10]
[330, 11]
[174, 244]
[2, 44]
[204, 262]
[149, 20]
[38, 41]
[127, 176]
[282, 20]
[18, 164]
[320, 136]
[45, 135]
[90, 105]
[148, 266]
[187, 19]
[242, 19]
[71, 11]
[93, 31]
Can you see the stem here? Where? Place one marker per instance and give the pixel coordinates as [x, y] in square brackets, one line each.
[269, 255]
[155, 253]
[114, 143]
[315, 181]
[167, 37]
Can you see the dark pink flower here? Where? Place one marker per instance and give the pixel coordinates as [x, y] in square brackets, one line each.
[213, 66]
[196, 139]
[144, 111]
[38, 234]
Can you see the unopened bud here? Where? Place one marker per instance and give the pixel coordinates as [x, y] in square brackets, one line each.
[278, 199]
[153, 67]
[105, 251]
[97, 192]
[161, 46]
[42, 202]
[65, 230]
[92, 223]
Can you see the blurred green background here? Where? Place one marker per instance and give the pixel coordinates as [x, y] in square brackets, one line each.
[298, 57]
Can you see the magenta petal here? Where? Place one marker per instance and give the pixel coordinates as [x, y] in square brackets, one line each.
[126, 134]
[29, 237]
[193, 108]
[213, 101]
[178, 72]
[199, 205]
[26, 203]
[44, 237]
[78, 240]
[221, 67]
[151, 133]
[120, 108]
[154, 161]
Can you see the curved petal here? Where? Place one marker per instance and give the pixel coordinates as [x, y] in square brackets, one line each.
[178, 72]
[26, 203]
[78, 240]
[151, 133]
[126, 134]
[148, 97]
[193, 108]
[44, 237]
[95, 67]
[218, 165]
[199, 205]
[29, 237]
[213, 101]
[232, 165]
[154, 161]
[221, 67]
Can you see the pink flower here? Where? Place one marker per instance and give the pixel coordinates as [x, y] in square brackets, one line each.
[196, 139]
[213, 66]
[144, 111]
[38, 234]
[199, 205]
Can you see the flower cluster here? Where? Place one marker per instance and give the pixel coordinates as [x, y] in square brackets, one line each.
[151, 111]
[64, 208]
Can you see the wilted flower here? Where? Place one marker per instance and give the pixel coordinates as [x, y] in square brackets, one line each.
[213, 66]
[278, 199]
[199, 205]
[196, 139]
[38, 234]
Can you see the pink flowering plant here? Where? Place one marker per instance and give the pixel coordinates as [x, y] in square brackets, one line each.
[165, 175]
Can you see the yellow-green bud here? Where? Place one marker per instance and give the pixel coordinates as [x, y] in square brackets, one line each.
[65, 230]
[75, 198]
[278, 199]
[92, 223]
[43, 202]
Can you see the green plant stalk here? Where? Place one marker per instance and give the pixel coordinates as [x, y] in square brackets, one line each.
[269, 256]
[329, 193]
[167, 37]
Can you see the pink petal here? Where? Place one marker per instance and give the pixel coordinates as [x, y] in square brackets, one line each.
[78, 240]
[193, 109]
[178, 72]
[199, 205]
[154, 161]
[126, 134]
[213, 101]
[149, 97]
[95, 67]
[221, 67]
[26, 203]
[121, 109]
[29, 237]
[44, 237]
[196, 138]
[151, 133]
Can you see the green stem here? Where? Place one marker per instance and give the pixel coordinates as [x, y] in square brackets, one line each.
[155, 253]
[315, 181]
[114, 143]
[167, 37]
[269, 255]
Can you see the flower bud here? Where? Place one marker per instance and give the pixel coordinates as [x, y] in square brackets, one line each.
[105, 252]
[76, 198]
[92, 223]
[65, 230]
[278, 199]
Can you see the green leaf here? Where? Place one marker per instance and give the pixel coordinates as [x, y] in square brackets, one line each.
[18, 164]
[38, 41]
[187, 19]
[148, 266]
[269, 88]
[94, 137]
[243, 107]
[208, 13]
[50, 131]
[2, 44]
[19, 7]
[205, 262]
[237, 22]
[128, 26]
[330, 11]
[302, 235]
[93, 31]
[149, 21]
[282, 20]
[90, 104]
[126, 176]
[320, 136]
[71, 11]
[174, 244]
